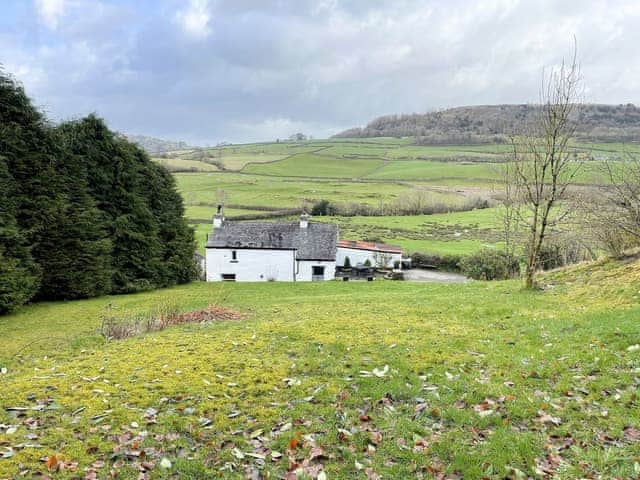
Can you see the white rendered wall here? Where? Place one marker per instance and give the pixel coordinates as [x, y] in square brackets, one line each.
[357, 255]
[305, 270]
[257, 265]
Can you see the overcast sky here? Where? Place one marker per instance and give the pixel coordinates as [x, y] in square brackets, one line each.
[206, 71]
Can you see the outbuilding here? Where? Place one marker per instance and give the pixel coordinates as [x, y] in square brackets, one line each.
[378, 255]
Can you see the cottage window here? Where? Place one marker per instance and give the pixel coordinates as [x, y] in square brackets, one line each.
[317, 273]
[229, 277]
[234, 256]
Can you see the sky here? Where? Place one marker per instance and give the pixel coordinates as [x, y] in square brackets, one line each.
[207, 71]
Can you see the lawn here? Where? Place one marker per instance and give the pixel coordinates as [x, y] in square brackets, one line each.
[480, 380]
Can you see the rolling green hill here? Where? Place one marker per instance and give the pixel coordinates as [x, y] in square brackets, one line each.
[380, 175]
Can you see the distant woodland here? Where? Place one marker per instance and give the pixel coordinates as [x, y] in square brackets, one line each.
[83, 212]
[156, 145]
[494, 124]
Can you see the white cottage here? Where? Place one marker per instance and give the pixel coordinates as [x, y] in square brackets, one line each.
[265, 251]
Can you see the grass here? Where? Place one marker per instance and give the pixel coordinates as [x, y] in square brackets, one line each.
[179, 164]
[429, 170]
[459, 233]
[483, 380]
[295, 175]
[282, 192]
[206, 212]
[201, 231]
[309, 165]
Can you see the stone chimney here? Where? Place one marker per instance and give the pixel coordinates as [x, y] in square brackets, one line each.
[304, 220]
[218, 218]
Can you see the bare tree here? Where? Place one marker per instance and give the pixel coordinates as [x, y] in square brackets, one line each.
[544, 164]
[510, 213]
[612, 212]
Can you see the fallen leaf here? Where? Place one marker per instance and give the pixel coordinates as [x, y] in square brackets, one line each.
[381, 372]
[52, 461]
[631, 434]
[371, 474]
[375, 437]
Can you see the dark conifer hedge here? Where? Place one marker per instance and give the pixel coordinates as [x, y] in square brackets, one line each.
[83, 212]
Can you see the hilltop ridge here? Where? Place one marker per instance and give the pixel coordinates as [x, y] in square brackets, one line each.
[493, 123]
[156, 145]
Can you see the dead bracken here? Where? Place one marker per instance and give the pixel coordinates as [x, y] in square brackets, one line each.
[115, 327]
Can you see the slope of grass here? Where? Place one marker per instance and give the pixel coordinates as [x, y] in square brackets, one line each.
[475, 380]
[308, 165]
[237, 161]
[254, 190]
[429, 170]
[183, 165]
[459, 233]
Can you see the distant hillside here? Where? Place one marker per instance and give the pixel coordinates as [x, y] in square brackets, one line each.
[492, 123]
[156, 145]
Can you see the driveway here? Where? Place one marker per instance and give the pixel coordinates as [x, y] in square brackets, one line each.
[419, 275]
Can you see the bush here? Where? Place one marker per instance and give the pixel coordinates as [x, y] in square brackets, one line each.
[321, 208]
[562, 252]
[367, 263]
[347, 262]
[434, 260]
[489, 264]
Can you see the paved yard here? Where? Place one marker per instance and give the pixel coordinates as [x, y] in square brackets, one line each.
[420, 275]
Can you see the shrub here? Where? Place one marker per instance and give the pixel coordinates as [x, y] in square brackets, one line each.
[347, 262]
[320, 208]
[367, 263]
[434, 260]
[489, 264]
[562, 252]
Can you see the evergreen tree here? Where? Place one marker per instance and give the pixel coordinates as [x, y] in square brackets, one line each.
[83, 212]
[152, 244]
[176, 237]
[53, 208]
[19, 275]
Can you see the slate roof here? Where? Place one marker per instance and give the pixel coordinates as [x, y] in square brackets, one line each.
[375, 247]
[316, 242]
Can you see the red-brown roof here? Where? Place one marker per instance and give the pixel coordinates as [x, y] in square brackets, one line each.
[376, 247]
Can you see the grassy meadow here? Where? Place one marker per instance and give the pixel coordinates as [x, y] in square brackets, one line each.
[479, 380]
[256, 179]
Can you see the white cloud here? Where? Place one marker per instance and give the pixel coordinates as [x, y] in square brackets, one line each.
[208, 70]
[195, 18]
[50, 11]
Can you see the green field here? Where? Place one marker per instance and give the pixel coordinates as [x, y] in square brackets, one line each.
[373, 172]
[480, 380]
[183, 165]
[457, 233]
[286, 192]
[309, 165]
